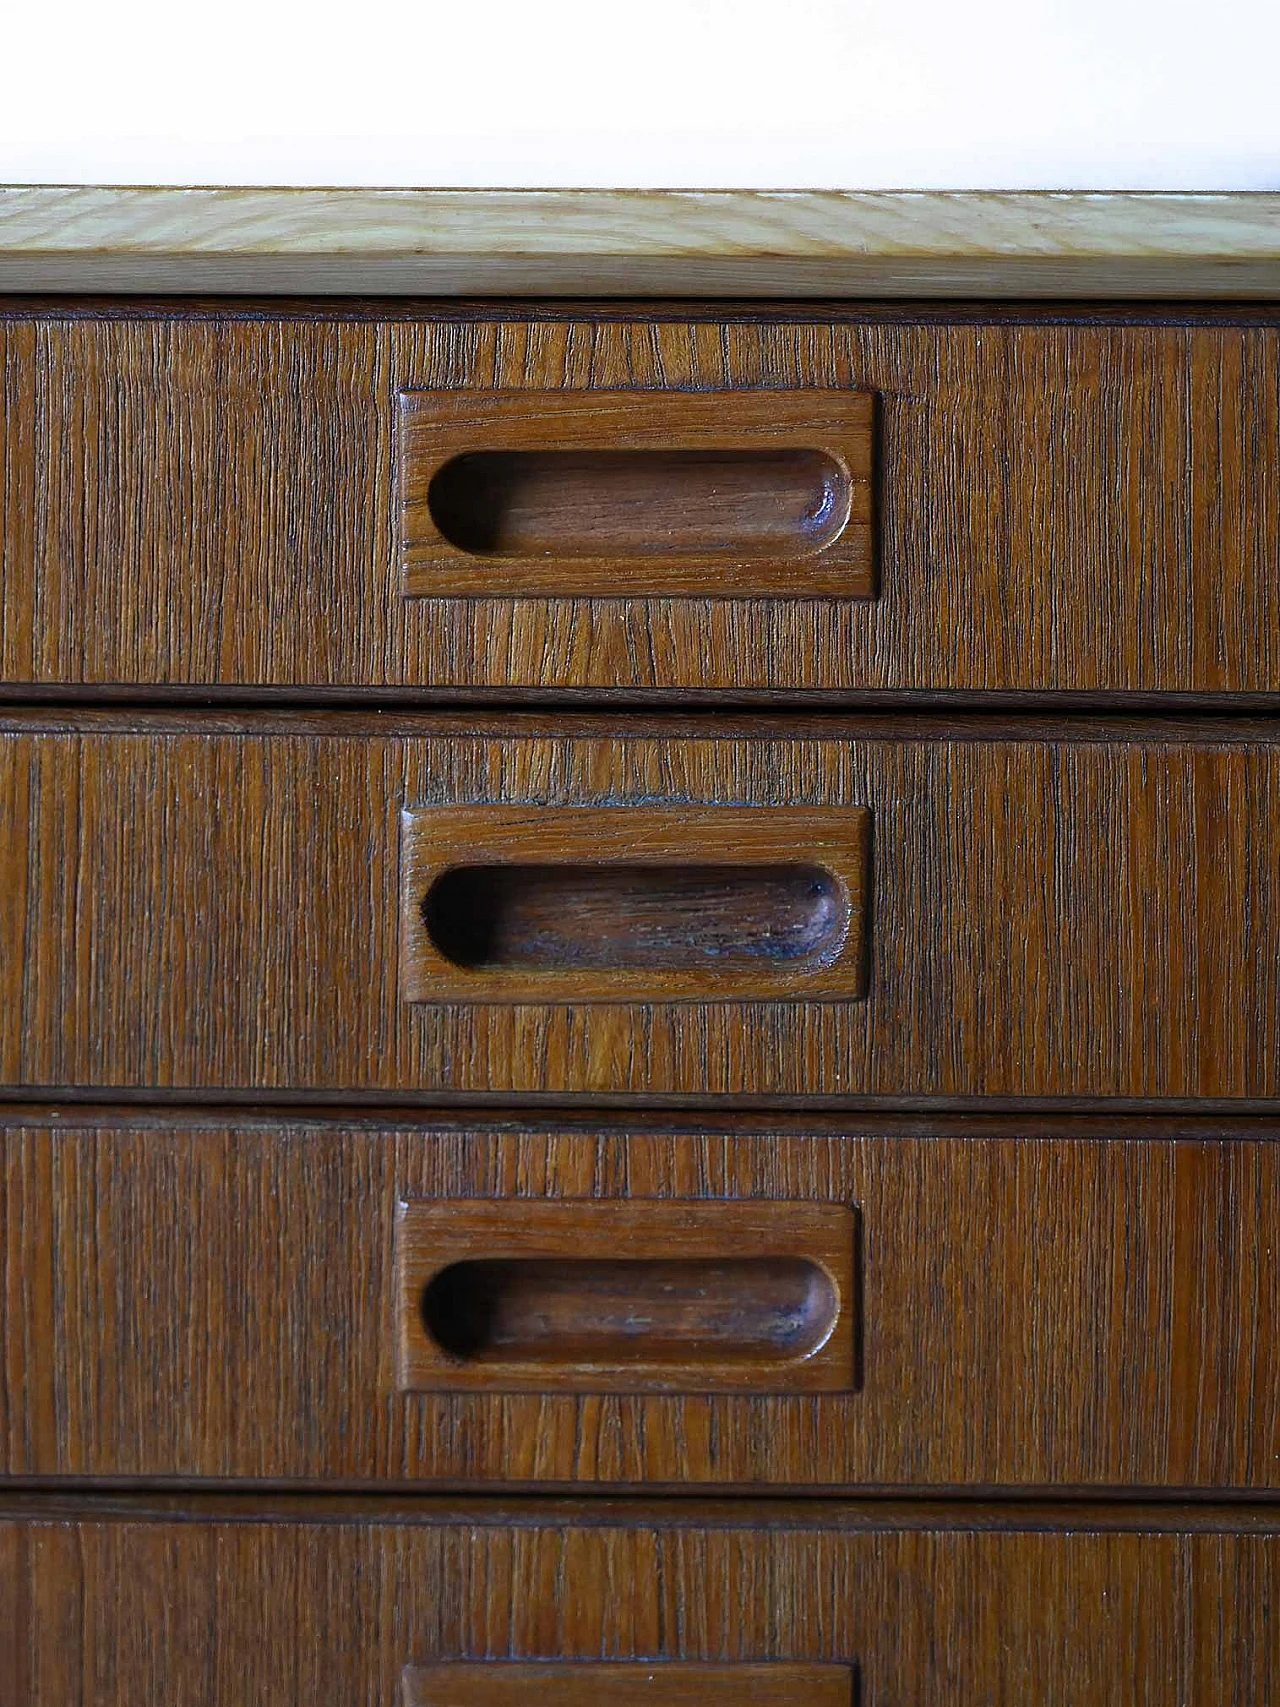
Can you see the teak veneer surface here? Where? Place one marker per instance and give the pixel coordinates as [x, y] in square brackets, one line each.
[1078, 910]
[1042, 1303]
[136, 1607]
[210, 499]
[229, 908]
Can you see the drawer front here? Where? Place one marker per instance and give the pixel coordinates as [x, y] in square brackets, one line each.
[981, 1304]
[225, 498]
[846, 909]
[150, 1603]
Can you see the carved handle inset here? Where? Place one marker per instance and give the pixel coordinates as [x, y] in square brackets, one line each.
[630, 1296]
[721, 494]
[633, 904]
[655, 1683]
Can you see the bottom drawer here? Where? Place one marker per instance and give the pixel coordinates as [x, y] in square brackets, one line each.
[145, 1604]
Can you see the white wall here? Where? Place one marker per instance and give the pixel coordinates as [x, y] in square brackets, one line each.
[1139, 94]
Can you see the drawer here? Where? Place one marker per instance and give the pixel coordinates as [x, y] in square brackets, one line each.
[874, 909]
[134, 1603]
[1037, 502]
[887, 1304]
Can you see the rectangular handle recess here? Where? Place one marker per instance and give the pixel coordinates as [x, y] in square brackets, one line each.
[633, 904]
[620, 1683]
[630, 1296]
[616, 493]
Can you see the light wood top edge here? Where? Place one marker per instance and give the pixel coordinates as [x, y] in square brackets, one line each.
[1235, 225]
[714, 242]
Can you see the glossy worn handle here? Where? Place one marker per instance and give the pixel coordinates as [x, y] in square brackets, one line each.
[633, 903]
[630, 1296]
[637, 492]
[656, 1683]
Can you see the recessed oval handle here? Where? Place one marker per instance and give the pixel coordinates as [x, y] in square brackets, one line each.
[674, 1296]
[626, 504]
[653, 493]
[620, 1310]
[623, 1683]
[524, 917]
[643, 903]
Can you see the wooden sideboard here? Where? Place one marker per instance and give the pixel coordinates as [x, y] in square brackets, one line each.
[639, 1016]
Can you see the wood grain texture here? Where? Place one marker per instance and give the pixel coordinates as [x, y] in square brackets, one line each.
[721, 495]
[644, 1295]
[1059, 911]
[622, 904]
[1063, 508]
[637, 243]
[135, 1611]
[1045, 1303]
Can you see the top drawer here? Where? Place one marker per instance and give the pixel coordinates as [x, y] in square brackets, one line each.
[855, 503]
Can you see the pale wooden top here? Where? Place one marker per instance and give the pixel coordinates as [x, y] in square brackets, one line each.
[728, 243]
